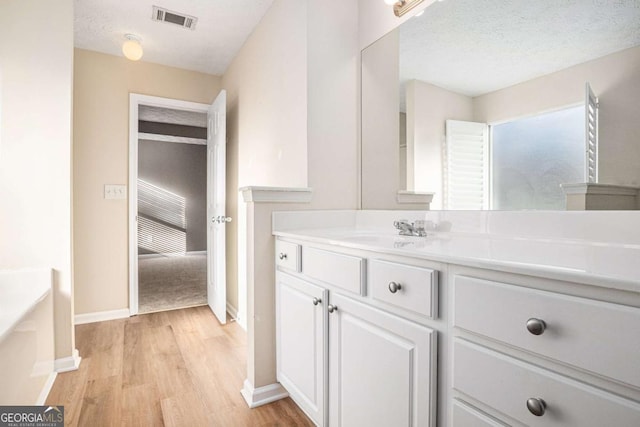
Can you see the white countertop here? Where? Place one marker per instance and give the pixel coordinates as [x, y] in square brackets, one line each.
[609, 265]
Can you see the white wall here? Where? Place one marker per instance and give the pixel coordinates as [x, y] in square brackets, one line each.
[35, 147]
[428, 107]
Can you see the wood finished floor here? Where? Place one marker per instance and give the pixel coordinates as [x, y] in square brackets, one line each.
[173, 368]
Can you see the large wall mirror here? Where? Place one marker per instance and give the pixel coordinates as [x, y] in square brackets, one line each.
[493, 104]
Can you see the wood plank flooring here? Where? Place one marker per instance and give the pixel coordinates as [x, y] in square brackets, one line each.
[173, 368]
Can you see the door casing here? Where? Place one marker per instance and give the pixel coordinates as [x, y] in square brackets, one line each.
[135, 101]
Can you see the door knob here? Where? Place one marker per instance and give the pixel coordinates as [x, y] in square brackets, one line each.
[220, 219]
[316, 301]
[331, 308]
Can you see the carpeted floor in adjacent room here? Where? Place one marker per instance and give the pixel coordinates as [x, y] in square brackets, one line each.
[166, 283]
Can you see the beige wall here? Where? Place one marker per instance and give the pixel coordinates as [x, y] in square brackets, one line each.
[380, 125]
[428, 107]
[266, 122]
[299, 117]
[333, 66]
[35, 147]
[266, 90]
[616, 81]
[102, 84]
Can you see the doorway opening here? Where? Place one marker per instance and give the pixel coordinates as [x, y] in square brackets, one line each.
[176, 205]
[172, 209]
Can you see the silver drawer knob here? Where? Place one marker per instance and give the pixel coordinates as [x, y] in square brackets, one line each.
[282, 256]
[331, 308]
[316, 301]
[394, 287]
[536, 406]
[536, 326]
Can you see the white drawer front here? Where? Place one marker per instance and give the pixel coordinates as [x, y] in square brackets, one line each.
[342, 271]
[288, 255]
[593, 335]
[505, 384]
[405, 286]
[465, 416]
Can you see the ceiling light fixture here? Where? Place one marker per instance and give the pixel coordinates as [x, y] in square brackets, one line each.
[401, 7]
[131, 48]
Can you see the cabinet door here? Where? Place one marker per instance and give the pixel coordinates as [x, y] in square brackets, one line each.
[301, 324]
[381, 368]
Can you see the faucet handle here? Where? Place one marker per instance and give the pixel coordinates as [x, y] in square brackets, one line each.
[419, 228]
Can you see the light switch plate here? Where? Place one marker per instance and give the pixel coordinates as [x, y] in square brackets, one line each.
[113, 191]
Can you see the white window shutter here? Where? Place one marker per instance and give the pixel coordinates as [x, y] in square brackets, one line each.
[466, 173]
[591, 135]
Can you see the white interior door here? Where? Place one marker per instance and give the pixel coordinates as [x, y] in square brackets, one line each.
[216, 158]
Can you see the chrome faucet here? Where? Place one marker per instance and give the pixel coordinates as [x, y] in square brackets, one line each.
[407, 228]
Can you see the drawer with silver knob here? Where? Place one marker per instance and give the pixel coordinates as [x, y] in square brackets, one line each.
[404, 286]
[535, 396]
[335, 269]
[288, 255]
[592, 335]
[466, 416]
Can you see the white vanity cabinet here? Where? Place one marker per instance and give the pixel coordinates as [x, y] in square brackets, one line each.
[532, 329]
[301, 343]
[344, 361]
[381, 368]
[543, 357]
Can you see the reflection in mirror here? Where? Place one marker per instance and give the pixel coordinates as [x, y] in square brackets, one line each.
[494, 111]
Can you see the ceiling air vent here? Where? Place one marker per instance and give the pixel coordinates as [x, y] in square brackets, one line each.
[176, 18]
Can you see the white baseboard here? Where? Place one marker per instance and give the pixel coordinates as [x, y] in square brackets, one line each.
[241, 321]
[262, 395]
[46, 388]
[67, 364]
[233, 312]
[101, 316]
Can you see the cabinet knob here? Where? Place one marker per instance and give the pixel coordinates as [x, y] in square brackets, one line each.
[316, 301]
[536, 406]
[394, 287]
[331, 308]
[282, 256]
[536, 326]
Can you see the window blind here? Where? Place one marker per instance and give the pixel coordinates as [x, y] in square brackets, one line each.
[466, 172]
[591, 135]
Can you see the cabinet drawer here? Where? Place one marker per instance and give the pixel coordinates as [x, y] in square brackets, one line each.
[342, 271]
[592, 335]
[288, 255]
[411, 288]
[465, 416]
[505, 384]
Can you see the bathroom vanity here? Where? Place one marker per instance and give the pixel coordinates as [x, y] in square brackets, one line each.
[486, 321]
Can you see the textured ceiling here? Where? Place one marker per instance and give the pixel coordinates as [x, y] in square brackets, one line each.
[479, 46]
[222, 28]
